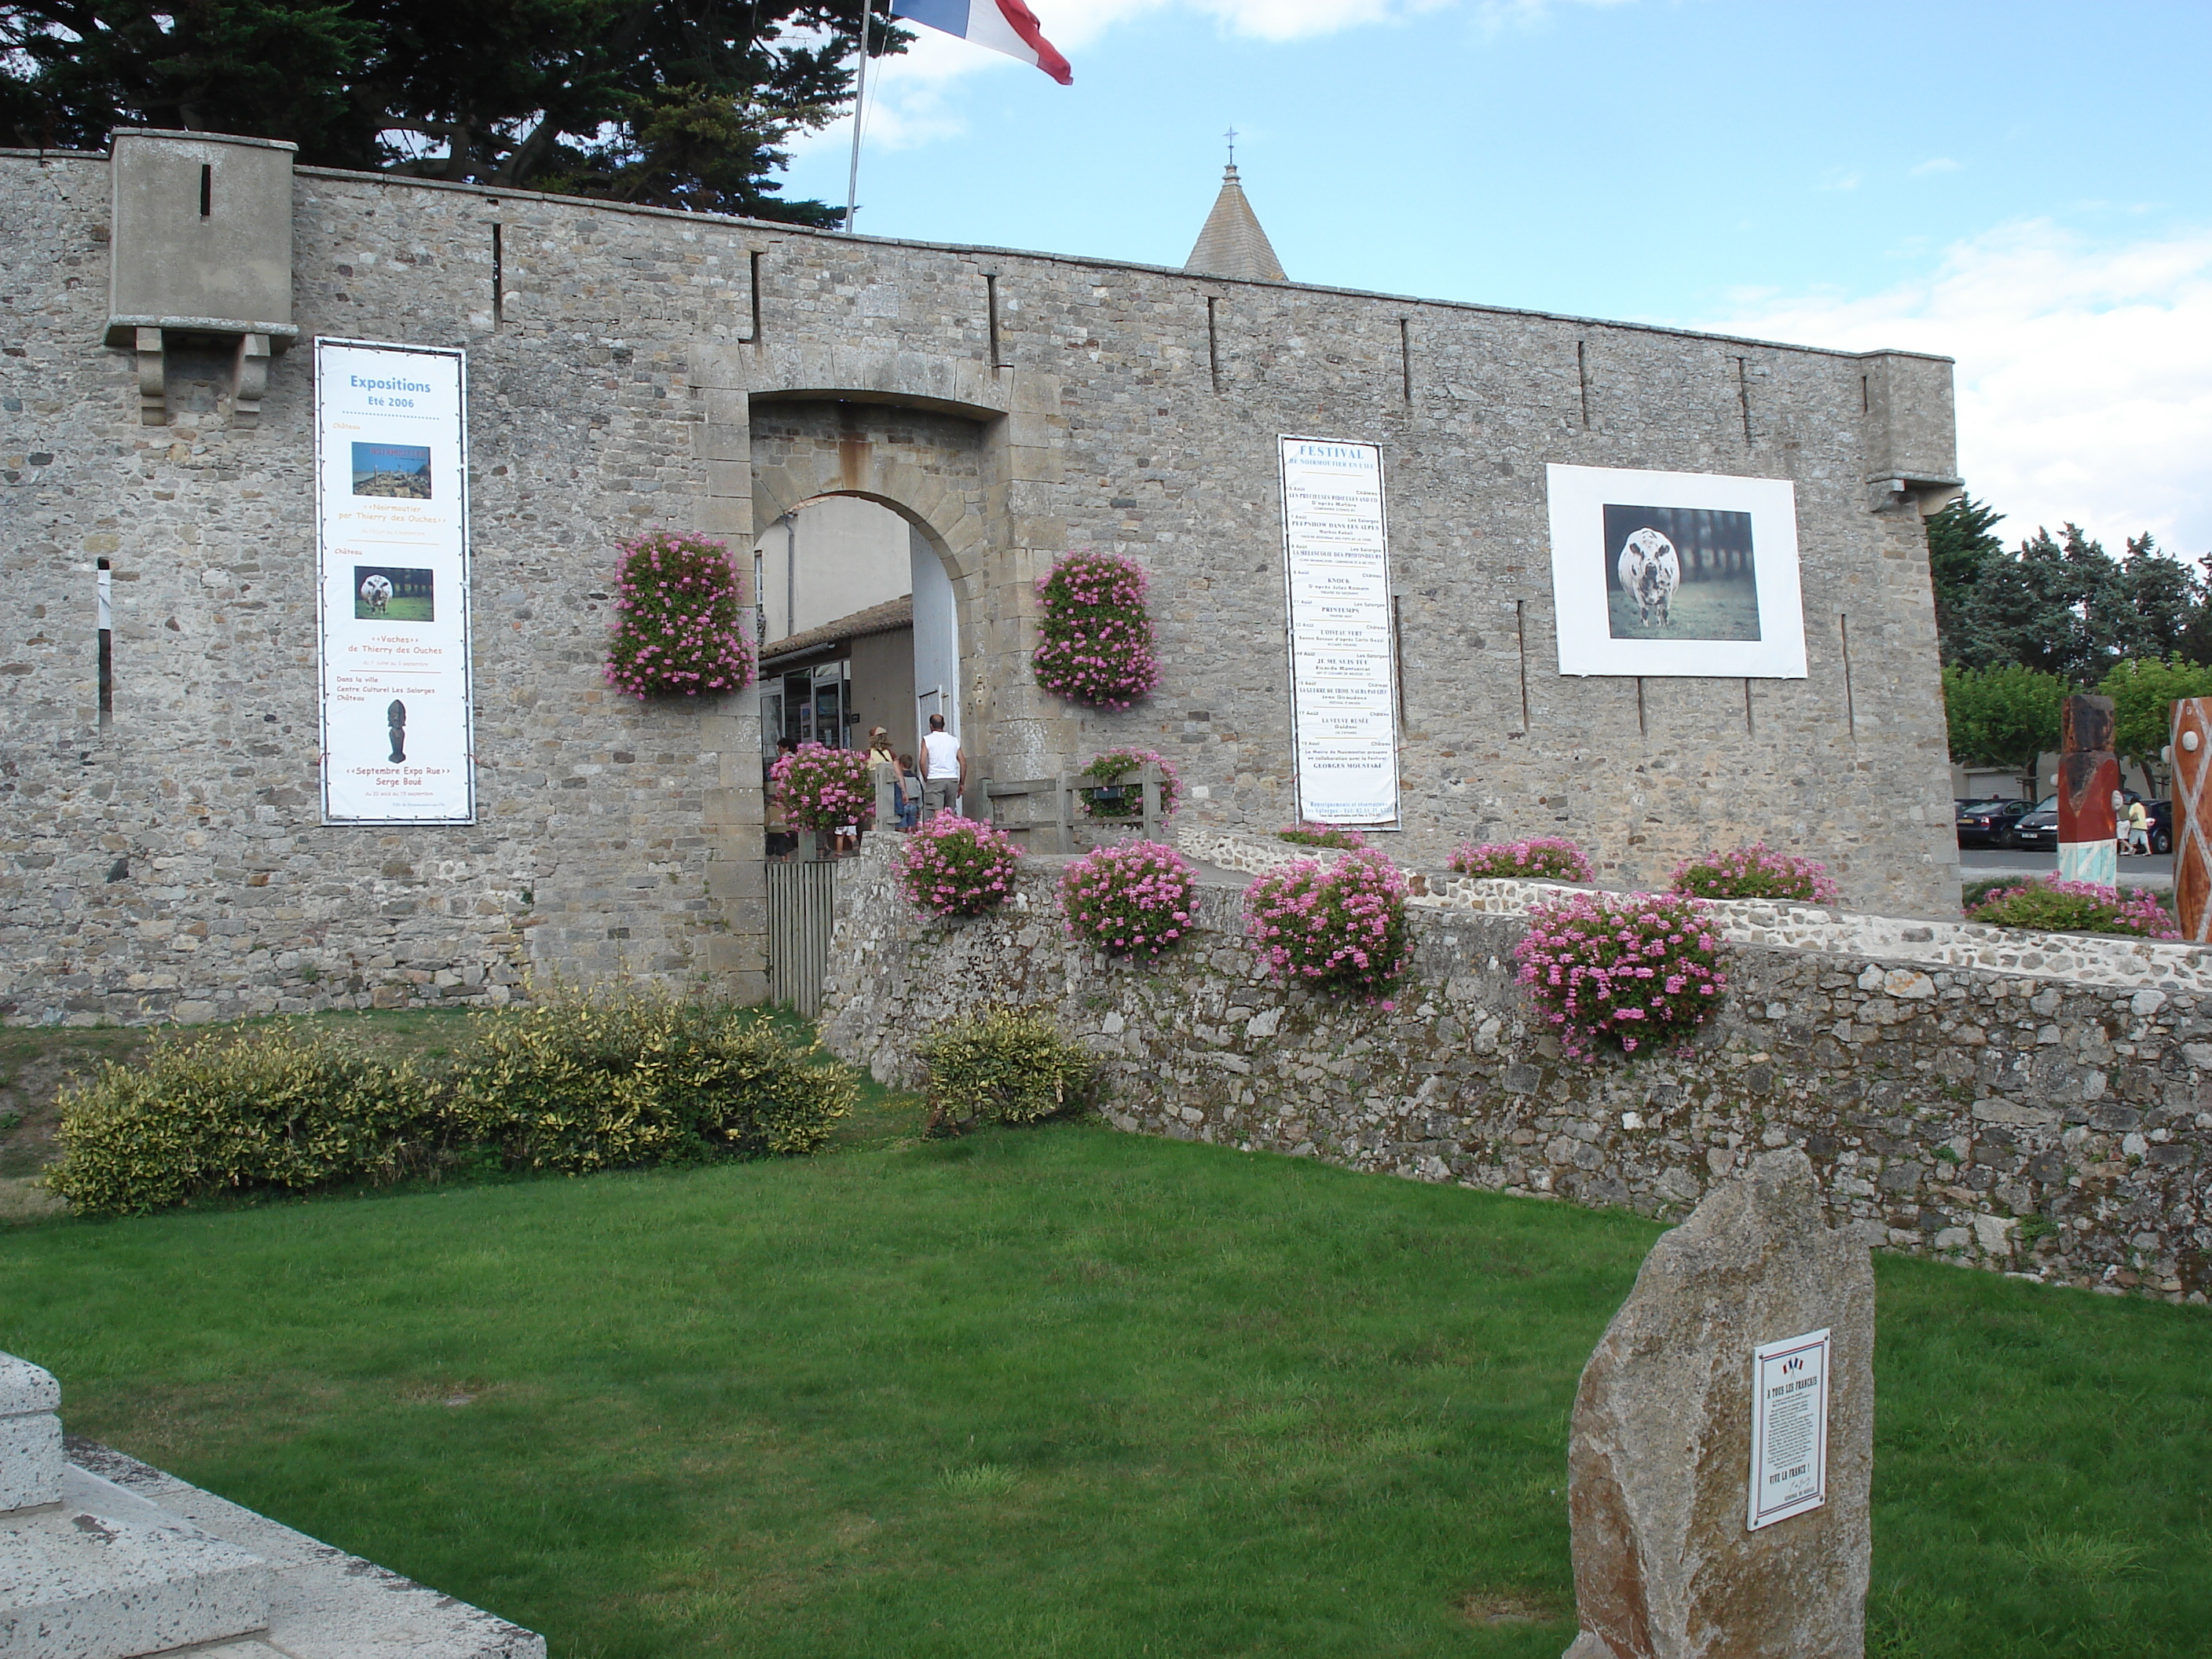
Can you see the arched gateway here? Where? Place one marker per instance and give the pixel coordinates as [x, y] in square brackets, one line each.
[171, 710]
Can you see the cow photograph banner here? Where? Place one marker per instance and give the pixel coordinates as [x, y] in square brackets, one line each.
[1681, 573]
[391, 514]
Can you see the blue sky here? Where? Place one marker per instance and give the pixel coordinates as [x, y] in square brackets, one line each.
[2027, 188]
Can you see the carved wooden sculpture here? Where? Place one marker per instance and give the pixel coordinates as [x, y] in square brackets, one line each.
[2088, 776]
[2192, 815]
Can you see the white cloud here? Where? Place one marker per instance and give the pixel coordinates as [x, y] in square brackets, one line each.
[2084, 374]
[1839, 178]
[1934, 164]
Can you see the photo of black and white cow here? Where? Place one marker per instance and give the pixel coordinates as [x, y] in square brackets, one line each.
[376, 593]
[1679, 573]
[392, 593]
[1649, 571]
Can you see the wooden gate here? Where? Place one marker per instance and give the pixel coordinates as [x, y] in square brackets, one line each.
[801, 904]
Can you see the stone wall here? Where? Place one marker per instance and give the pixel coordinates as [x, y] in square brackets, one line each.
[2008, 1120]
[638, 367]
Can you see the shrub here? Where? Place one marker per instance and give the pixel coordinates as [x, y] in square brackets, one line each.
[823, 787]
[1343, 927]
[1633, 968]
[1139, 897]
[680, 622]
[1097, 647]
[1545, 858]
[956, 866]
[2075, 907]
[1109, 768]
[594, 1082]
[1322, 834]
[1756, 871]
[1002, 1067]
[574, 1084]
[277, 1107]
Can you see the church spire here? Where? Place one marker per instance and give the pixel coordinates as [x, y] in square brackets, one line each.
[1232, 244]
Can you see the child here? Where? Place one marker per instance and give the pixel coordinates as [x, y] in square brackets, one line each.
[908, 785]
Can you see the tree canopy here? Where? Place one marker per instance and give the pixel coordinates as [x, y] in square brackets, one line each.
[2005, 715]
[2143, 694]
[671, 103]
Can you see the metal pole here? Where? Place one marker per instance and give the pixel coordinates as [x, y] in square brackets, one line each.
[860, 111]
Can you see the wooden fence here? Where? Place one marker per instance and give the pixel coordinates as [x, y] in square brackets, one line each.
[802, 899]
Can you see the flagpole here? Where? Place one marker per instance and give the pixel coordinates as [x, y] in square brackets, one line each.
[860, 109]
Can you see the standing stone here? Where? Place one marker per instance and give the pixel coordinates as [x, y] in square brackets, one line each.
[2088, 777]
[1658, 1471]
[2191, 753]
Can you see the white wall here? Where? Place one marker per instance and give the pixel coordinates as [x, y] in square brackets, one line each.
[834, 556]
[936, 636]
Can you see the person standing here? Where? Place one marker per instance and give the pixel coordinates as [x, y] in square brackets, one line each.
[943, 768]
[782, 840]
[2138, 828]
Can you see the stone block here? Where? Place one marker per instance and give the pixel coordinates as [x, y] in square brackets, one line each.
[30, 1435]
[1666, 1566]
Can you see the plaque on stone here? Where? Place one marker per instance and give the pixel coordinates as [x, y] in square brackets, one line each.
[1789, 1428]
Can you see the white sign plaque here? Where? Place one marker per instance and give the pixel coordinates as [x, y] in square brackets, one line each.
[392, 515]
[1789, 1428]
[1344, 693]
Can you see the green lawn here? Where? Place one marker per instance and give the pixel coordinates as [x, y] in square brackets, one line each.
[1059, 1392]
[1724, 609]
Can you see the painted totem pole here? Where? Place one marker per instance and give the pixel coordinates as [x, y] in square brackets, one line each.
[2191, 755]
[2088, 778]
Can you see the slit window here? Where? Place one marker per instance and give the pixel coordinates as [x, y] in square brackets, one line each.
[207, 191]
[104, 620]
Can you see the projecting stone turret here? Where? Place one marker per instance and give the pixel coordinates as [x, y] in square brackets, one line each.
[1232, 244]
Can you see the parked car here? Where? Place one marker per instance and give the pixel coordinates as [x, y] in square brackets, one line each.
[2039, 828]
[1988, 823]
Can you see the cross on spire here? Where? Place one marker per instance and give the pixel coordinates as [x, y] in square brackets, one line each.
[1231, 135]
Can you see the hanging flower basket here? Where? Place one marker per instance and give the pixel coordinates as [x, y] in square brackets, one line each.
[1097, 648]
[824, 789]
[680, 619]
[1119, 793]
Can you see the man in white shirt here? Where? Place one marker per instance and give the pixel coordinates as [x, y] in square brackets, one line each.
[943, 768]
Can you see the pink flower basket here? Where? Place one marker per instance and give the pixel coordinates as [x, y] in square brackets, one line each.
[1634, 970]
[955, 866]
[680, 619]
[824, 789]
[1138, 896]
[1543, 858]
[1097, 648]
[1342, 927]
[1756, 871]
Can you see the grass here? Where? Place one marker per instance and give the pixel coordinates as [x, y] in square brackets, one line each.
[1059, 1392]
[395, 609]
[1719, 610]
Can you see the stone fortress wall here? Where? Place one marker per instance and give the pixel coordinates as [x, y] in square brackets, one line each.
[630, 367]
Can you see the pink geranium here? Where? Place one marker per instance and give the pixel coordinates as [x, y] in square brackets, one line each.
[680, 618]
[1632, 969]
[1343, 927]
[956, 866]
[824, 788]
[1755, 871]
[1541, 858]
[1136, 896]
[1097, 647]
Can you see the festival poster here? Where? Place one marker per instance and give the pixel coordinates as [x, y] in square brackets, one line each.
[1343, 695]
[393, 552]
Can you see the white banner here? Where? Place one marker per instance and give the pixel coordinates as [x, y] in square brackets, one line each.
[1344, 693]
[391, 514]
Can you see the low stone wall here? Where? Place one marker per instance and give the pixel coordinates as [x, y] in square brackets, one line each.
[2029, 1124]
[2090, 958]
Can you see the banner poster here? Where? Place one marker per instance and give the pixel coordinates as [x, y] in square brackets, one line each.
[1686, 574]
[391, 514]
[1344, 693]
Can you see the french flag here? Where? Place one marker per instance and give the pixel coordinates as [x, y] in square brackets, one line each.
[1006, 26]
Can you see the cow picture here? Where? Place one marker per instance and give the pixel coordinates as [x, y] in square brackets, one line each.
[391, 593]
[1650, 572]
[1676, 572]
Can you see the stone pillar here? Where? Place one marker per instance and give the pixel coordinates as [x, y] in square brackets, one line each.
[30, 1435]
[1683, 1549]
[2088, 776]
[2191, 753]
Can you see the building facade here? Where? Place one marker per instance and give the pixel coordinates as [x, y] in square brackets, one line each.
[164, 851]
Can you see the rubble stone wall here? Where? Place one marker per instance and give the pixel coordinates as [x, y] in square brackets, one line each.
[2025, 1124]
